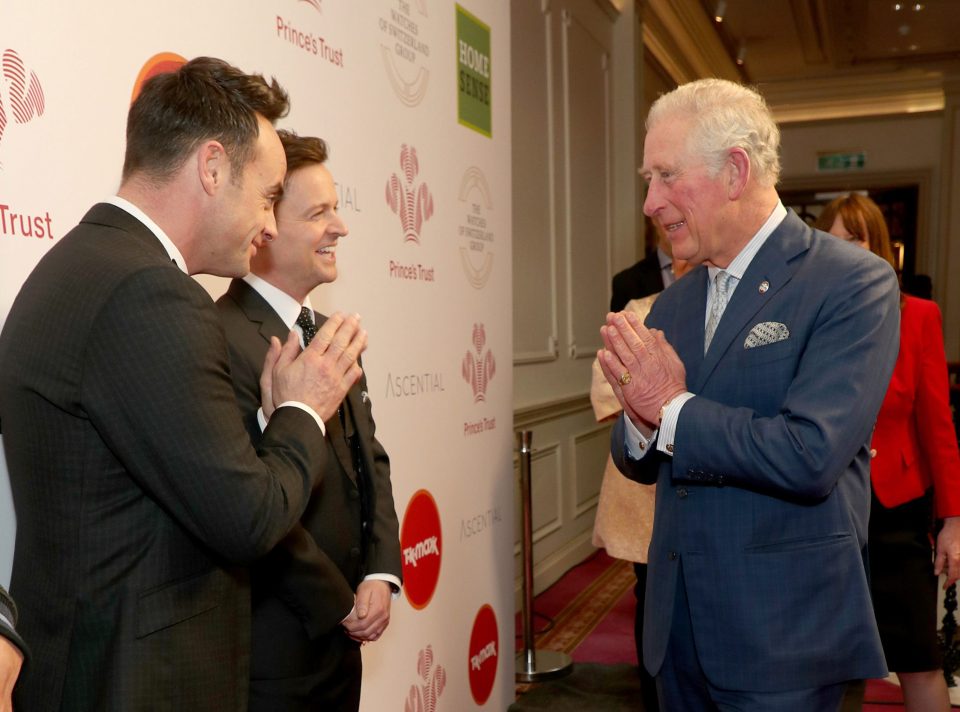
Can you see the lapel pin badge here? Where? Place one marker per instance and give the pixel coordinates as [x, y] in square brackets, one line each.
[764, 286]
[364, 396]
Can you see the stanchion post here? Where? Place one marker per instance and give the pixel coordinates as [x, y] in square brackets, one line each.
[532, 665]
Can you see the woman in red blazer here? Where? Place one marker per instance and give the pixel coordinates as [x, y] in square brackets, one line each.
[915, 475]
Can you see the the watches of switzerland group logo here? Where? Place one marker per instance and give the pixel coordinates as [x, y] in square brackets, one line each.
[405, 50]
[421, 545]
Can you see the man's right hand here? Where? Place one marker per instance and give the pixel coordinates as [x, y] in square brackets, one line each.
[322, 374]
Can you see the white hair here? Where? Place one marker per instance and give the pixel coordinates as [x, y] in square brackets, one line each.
[725, 115]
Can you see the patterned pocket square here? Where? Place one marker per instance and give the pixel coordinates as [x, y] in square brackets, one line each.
[767, 332]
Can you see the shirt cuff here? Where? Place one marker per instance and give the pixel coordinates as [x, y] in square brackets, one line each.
[668, 423]
[637, 444]
[262, 420]
[394, 582]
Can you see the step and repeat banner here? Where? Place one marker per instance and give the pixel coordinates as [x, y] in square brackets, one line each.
[412, 97]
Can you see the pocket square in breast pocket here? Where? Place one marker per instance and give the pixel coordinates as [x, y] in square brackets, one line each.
[767, 332]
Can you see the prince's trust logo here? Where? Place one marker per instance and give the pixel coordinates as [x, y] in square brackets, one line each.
[21, 101]
[424, 694]
[478, 369]
[411, 201]
[24, 93]
[479, 365]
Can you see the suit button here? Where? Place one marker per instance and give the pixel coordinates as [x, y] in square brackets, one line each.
[673, 556]
[681, 492]
[355, 551]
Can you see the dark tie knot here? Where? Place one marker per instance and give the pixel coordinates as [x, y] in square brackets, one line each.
[305, 322]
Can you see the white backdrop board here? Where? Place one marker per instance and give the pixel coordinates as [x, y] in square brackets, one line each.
[412, 97]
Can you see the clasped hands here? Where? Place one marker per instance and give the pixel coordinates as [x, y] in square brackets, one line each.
[641, 367]
[371, 612]
[321, 374]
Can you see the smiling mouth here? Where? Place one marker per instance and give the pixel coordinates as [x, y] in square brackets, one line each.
[328, 250]
[673, 227]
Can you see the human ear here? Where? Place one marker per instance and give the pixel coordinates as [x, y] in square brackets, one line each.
[212, 166]
[738, 166]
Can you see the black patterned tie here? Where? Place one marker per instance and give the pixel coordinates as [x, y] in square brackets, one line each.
[305, 322]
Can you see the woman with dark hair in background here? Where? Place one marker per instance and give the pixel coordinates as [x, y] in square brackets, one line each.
[915, 476]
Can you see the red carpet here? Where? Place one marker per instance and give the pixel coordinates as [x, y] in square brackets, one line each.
[592, 609]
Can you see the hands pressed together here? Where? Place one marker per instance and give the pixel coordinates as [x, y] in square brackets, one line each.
[641, 367]
[322, 374]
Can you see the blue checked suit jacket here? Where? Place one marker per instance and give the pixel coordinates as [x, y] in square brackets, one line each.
[762, 509]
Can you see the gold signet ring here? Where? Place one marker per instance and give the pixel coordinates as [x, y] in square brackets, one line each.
[625, 378]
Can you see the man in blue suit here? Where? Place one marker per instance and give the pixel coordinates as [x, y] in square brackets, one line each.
[749, 397]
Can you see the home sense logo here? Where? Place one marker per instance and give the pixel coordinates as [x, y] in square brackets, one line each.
[424, 694]
[421, 542]
[483, 654]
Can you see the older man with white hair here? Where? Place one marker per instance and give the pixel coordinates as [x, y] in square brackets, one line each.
[749, 397]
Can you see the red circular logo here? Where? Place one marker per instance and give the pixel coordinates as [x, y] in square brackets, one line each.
[421, 544]
[157, 64]
[483, 654]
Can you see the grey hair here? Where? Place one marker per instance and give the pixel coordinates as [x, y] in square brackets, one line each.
[725, 115]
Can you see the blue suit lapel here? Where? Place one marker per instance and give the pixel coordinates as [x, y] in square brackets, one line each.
[773, 265]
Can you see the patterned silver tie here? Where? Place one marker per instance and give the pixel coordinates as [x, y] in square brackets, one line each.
[720, 296]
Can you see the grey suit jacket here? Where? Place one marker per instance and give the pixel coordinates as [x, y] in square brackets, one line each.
[136, 488]
[316, 569]
[762, 509]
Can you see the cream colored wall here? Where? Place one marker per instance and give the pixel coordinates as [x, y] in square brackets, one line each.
[575, 208]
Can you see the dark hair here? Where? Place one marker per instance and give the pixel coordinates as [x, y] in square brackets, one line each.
[204, 99]
[863, 219]
[302, 150]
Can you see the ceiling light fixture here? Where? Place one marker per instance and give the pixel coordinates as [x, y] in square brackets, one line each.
[742, 53]
[721, 10]
[897, 7]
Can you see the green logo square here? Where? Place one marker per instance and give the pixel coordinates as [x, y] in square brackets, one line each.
[474, 78]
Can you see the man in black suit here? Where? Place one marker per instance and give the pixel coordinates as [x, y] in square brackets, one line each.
[652, 274]
[308, 623]
[138, 493]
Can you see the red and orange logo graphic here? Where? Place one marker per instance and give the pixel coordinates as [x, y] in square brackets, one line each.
[421, 541]
[158, 64]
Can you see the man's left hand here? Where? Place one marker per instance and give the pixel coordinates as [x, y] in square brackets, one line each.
[641, 367]
[371, 612]
[948, 551]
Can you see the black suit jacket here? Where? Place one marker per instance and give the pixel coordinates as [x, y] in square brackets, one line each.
[136, 488]
[640, 280]
[306, 586]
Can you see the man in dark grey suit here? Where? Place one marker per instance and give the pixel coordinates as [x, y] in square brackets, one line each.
[750, 397]
[138, 493]
[327, 588]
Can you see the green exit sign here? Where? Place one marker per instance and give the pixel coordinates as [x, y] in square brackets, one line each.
[841, 161]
